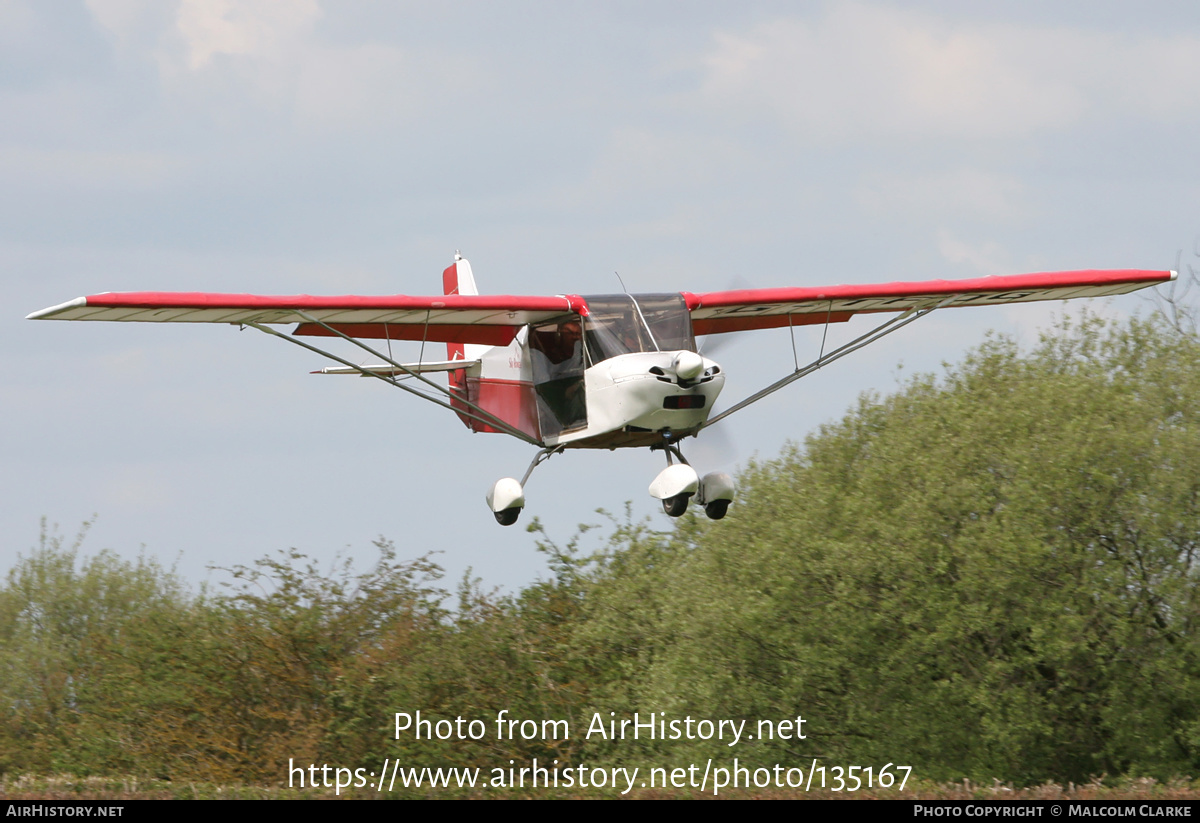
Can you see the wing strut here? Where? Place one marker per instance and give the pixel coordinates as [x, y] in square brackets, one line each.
[895, 324]
[475, 413]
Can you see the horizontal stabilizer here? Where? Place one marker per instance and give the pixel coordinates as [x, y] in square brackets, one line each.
[407, 368]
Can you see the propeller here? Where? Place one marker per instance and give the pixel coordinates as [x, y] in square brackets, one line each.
[714, 448]
[710, 344]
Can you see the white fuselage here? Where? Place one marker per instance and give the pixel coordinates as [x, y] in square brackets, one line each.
[626, 373]
[634, 399]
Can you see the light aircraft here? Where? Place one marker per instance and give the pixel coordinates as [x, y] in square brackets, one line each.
[596, 372]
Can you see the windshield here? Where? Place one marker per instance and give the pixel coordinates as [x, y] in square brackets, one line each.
[623, 323]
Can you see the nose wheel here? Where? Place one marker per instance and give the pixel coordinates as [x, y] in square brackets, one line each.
[678, 483]
[675, 506]
[716, 509]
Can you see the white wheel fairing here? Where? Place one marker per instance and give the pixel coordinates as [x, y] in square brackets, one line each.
[505, 494]
[674, 481]
[716, 486]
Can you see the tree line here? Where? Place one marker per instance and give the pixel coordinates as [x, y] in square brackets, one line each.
[988, 574]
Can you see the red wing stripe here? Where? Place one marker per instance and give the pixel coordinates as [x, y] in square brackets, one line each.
[307, 302]
[816, 299]
[203, 307]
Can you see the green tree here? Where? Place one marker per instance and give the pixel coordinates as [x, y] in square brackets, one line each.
[280, 643]
[492, 654]
[79, 637]
[988, 575]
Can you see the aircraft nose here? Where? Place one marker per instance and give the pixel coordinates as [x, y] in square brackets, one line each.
[688, 365]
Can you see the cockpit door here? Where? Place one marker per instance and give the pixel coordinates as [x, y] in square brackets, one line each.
[556, 354]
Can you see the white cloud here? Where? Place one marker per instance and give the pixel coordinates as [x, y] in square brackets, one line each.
[987, 258]
[863, 72]
[952, 192]
[257, 28]
[270, 55]
[347, 87]
[125, 20]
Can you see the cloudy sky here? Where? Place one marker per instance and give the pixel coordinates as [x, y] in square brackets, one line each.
[321, 147]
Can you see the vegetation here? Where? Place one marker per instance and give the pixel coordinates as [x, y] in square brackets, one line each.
[993, 575]
[986, 576]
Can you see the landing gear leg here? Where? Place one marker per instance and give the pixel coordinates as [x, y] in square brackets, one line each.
[675, 484]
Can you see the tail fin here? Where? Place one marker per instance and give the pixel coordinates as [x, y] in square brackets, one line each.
[508, 400]
[458, 279]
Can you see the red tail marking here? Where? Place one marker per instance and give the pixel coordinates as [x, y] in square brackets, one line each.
[455, 351]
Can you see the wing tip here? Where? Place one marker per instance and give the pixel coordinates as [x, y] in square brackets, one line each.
[47, 314]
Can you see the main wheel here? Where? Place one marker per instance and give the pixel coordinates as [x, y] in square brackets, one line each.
[677, 505]
[508, 516]
[716, 509]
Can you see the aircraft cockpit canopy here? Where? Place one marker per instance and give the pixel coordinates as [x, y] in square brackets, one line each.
[623, 323]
